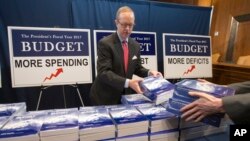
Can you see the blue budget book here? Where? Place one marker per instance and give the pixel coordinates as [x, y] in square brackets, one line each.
[213, 89]
[155, 112]
[3, 120]
[10, 109]
[60, 122]
[21, 126]
[174, 106]
[157, 89]
[134, 99]
[95, 117]
[127, 116]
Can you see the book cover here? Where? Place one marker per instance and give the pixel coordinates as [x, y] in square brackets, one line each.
[90, 108]
[214, 89]
[152, 84]
[159, 118]
[12, 109]
[126, 114]
[3, 120]
[155, 112]
[157, 89]
[61, 121]
[95, 123]
[21, 126]
[182, 94]
[134, 99]
[95, 120]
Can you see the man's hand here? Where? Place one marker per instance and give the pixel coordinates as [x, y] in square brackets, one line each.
[200, 108]
[134, 84]
[155, 73]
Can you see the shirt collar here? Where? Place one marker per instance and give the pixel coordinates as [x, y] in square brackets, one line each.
[121, 38]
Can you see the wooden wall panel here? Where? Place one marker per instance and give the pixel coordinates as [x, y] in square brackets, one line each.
[190, 2]
[239, 7]
[229, 73]
[242, 42]
[220, 25]
[224, 10]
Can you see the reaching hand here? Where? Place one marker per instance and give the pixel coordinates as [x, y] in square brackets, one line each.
[134, 84]
[155, 73]
[200, 108]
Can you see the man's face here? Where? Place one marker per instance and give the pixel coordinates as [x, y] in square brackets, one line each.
[125, 24]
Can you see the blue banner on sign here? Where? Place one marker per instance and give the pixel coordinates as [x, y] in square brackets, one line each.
[30, 43]
[187, 45]
[146, 41]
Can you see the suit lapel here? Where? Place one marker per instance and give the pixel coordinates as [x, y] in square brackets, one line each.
[131, 54]
[118, 47]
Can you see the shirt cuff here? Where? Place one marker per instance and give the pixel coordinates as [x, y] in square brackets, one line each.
[126, 83]
[149, 73]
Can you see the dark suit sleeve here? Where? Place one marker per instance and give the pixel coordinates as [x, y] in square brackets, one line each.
[238, 106]
[107, 70]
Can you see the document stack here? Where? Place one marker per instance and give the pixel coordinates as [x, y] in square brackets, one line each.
[204, 130]
[13, 109]
[190, 130]
[60, 125]
[128, 120]
[167, 135]
[135, 99]
[21, 128]
[157, 89]
[181, 97]
[159, 120]
[3, 120]
[8, 111]
[95, 123]
[135, 137]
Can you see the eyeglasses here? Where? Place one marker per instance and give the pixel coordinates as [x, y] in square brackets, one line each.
[124, 25]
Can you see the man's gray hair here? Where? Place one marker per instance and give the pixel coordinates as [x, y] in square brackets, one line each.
[123, 9]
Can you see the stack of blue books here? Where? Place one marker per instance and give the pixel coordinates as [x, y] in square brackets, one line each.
[60, 125]
[3, 120]
[21, 128]
[8, 111]
[166, 135]
[159, 119]
[128, 120]
[157, 89]
[135, 137]
[95, 123]
[135, 99]
[12, 109]
[181, 97]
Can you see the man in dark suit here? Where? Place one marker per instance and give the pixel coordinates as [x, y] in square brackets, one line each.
[237, 107]
[116, 68]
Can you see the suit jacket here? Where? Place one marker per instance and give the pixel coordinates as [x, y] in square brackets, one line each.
[238, 106]
[109, 83]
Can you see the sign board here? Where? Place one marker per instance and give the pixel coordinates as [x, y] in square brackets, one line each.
[187, 56]
[147, 41]
[49, 56]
